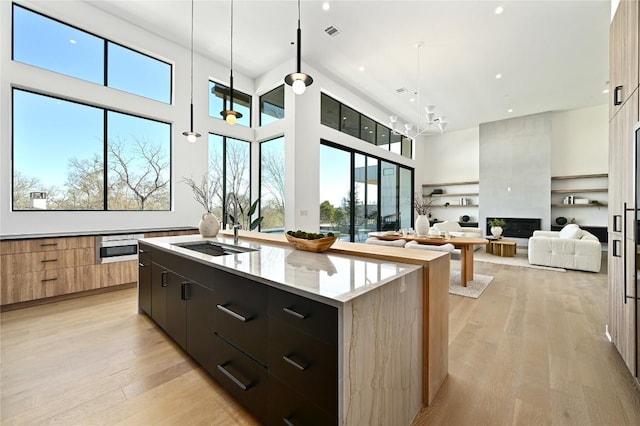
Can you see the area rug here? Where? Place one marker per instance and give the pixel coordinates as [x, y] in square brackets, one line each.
[520, 259]
[473, 289]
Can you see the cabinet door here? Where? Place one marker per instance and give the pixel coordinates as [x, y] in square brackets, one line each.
[287, 406]
[623, 53]
[176, 308]
[159, 294]
[200, 309]
[144, 284]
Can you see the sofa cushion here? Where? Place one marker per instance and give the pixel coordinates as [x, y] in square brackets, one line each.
[449, 248]
[570, 232]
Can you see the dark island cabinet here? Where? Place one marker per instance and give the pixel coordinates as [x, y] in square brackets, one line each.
[275, 352]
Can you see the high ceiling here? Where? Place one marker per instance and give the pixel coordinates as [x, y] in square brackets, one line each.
[552, 55]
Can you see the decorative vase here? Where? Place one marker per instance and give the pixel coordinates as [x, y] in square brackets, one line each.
[496, 231]
[209, 225]
[422, 225]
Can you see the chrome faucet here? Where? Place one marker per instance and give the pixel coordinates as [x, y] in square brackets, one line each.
[236, 225]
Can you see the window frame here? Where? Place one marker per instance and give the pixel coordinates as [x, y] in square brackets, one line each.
[105, 132]
[225, 100]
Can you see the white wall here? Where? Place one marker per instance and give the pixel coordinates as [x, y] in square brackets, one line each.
[301, 126]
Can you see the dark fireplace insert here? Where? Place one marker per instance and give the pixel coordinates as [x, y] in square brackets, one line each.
[516, 227]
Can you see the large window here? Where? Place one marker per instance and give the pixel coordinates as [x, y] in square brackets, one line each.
[360, 193]
[219, 101]
[272, 185]
[272, 106]
[230, 172]
[338, 116]
[70, 156]
[50, 44]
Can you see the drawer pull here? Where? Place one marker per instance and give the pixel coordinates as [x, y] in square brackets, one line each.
[294, 313]
[142, 265]
[48, 279]
[49, 260]
[48, 245]
[141, 251]
[288, 422]
[232, 313]
[295, 364]
[163, 278]
[616, 95]
[233, 378]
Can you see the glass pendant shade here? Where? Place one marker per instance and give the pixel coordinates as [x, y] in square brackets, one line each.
[298, 80]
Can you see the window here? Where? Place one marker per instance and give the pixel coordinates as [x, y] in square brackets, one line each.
[230, 171]
[272, 183]
[59, 150]
[52, 45]
[347, 120]
[380, 192]
[329, 112]
[136, 73]
[272, 106]
[219, 101]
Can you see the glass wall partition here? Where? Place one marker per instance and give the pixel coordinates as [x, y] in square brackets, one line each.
[360, 193]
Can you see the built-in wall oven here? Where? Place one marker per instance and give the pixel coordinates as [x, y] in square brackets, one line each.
[117, 248]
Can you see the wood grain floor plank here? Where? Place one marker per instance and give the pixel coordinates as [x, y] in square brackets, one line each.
[531, 350]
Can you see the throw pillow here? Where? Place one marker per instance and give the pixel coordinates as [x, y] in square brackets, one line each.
[570, 232]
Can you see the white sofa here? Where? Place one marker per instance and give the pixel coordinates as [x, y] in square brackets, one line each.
[454, 228]
[571, 248]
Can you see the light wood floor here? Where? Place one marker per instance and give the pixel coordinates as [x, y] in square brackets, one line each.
[530, 350]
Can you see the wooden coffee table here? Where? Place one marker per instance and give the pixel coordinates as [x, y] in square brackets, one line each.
[465, 244]
[502, 247]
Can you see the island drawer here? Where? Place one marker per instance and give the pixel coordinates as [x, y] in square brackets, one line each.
[242, 377]
[306, 364]
[144, 252]
[287, 405]
[309, 316]
[240, 313]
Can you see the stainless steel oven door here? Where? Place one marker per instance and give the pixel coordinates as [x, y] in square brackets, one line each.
[108, 251]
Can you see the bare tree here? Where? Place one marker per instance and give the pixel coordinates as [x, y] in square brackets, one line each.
[140, 169]
[85, 184]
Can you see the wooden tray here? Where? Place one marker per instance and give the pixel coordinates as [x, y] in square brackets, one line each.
[316, 246]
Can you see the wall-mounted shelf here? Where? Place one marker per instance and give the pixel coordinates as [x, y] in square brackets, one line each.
[570, 206]
[592, 187]
[452, 192]
[457, 194]
[431, 185]
[578, 191]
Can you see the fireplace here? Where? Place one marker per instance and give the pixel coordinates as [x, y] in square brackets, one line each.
[517, 227]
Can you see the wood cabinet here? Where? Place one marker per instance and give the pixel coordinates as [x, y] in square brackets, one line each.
[41, 268]
[144, 278]
[624, 114]
[222, 320]
[624, 54]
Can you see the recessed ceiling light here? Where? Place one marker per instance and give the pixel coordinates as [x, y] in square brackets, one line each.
[412, 100]
[326, 5]
[510, 110]
[499, 10]
[605, 91]
[72, 41]
[361, 68]
[498, 76]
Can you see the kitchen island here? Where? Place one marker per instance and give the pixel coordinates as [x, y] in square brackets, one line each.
[355, 335]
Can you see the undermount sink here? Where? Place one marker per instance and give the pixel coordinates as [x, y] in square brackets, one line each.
[214, 249]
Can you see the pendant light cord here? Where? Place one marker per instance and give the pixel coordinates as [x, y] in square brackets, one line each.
[192, 54]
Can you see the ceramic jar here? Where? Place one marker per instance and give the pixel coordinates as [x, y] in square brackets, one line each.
[422, 225]
[209, 225]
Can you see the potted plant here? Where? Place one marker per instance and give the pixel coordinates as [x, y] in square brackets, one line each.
[422, 205]
[496, 227]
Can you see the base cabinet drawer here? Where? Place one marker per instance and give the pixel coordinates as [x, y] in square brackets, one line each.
[242, 377]
[240, 314]
[40, 284]
[306, 364]
[287, 407]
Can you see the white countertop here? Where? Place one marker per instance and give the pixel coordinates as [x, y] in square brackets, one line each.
[327, 277]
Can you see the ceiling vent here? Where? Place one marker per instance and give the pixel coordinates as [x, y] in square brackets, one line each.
[332, 31]
[401, 90]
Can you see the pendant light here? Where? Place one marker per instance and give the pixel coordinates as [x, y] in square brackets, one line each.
[230, 115]
[191, 135]
[298, 80]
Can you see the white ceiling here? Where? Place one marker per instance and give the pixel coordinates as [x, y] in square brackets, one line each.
[553, 55]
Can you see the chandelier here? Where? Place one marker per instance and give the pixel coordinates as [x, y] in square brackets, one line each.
[432, 120]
